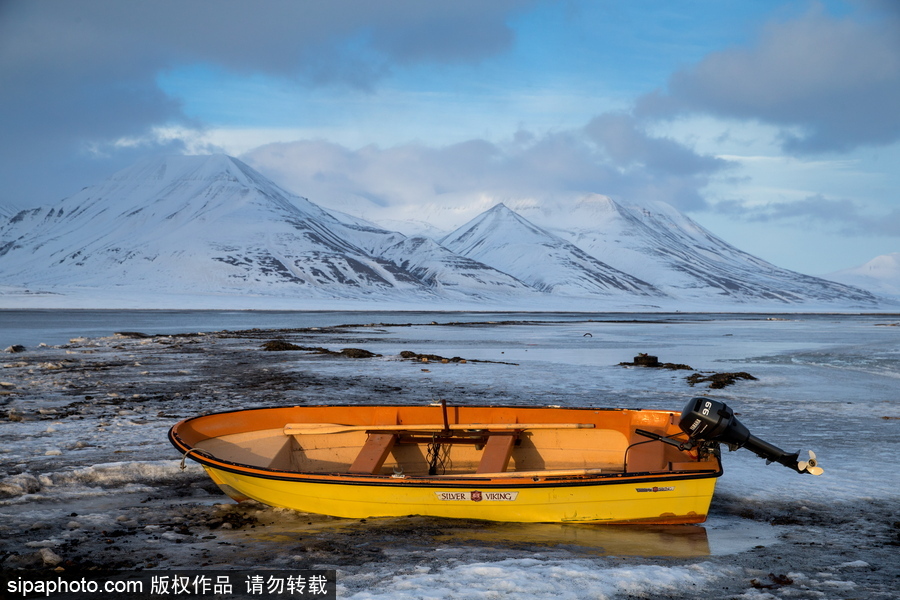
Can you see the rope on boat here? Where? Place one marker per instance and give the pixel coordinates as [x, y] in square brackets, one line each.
[184, 456]
[437, 456]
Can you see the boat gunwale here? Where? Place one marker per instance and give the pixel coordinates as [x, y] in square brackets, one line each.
[445, 481]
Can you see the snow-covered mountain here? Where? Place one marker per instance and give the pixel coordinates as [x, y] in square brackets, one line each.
[508, 242]
[880, 275]
[212, 227]
[665, 248]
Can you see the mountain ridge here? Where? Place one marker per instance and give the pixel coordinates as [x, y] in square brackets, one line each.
[213, 226]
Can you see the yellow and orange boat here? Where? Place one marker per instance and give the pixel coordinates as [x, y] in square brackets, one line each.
[496, 463]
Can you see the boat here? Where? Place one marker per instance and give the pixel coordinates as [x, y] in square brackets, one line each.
[494, 463]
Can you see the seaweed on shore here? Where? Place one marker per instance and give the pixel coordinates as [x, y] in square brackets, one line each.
[718, 381]
[283, 346]
[408, 354]
[652, 362]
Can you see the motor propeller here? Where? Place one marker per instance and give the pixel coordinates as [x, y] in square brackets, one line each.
[810, 465]
[707, 420]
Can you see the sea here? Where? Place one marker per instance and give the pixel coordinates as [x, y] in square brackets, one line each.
[829, 383]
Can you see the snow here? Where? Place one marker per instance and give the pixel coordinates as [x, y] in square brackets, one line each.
[880, 275]
[825, 382]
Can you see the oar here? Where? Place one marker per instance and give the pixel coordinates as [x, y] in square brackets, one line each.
[323, 428]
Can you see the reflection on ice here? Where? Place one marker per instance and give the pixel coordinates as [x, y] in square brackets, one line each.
[628, 540]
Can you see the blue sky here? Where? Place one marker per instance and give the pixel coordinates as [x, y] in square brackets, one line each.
[775, 124]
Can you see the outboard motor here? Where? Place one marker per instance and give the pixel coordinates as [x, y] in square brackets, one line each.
[707, 420]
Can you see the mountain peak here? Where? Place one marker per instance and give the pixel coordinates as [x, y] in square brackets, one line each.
[881, 275]
[498, 222]
[885, 263]
[161, 169]
[512, 244]
[185, 184]
[497, 212]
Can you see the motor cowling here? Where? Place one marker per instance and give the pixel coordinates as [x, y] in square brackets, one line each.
[708, 420]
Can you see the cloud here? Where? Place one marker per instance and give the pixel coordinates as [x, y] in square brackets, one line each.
[611, 156]
[627, 144]
[281, 37]
[83, 75]
[830, 84]
[652, 166]
[837, 215]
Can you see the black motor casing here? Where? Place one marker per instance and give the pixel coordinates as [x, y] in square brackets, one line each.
[704, 419]
[708, 420]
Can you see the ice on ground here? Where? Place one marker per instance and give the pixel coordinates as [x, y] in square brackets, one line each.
[539, 578]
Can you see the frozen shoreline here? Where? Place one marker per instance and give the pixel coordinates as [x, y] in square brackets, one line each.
[94, 481]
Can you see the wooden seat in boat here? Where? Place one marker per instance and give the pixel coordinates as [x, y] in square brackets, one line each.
[374, 452]
[497, 452]
[495, 457]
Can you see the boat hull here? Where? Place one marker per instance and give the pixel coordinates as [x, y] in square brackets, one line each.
[508, 464]
[650, 500]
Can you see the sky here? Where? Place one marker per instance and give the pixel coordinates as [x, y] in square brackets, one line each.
[775, 124]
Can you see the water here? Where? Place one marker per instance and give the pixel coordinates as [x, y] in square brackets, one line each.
[57, 326]
[49, 326]
[33, 327]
